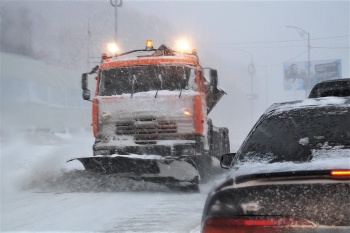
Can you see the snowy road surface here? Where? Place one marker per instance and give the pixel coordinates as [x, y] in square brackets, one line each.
[41, 192]
[102, 212]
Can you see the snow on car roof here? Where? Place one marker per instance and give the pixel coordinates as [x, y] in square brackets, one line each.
[323, 159]
[336, 80]
[317, 102]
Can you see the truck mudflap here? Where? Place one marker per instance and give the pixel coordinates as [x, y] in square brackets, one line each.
[162, 170]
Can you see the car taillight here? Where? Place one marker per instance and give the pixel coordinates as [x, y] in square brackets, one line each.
[341, 173]
[253, 225]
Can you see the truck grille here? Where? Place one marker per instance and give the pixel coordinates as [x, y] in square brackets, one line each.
[146, 128]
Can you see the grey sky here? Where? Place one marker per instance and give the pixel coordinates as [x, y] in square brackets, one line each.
[227, 35]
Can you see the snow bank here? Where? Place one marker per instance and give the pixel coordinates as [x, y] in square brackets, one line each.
[26, 158]
[39, 164]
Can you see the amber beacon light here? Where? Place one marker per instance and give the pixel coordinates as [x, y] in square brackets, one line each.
[149, 45]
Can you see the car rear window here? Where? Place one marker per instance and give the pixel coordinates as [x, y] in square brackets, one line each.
[336, 88]
[294, 135]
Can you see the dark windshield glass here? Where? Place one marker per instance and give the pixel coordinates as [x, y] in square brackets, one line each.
[145, 78]
[334, 88]
[294, 135]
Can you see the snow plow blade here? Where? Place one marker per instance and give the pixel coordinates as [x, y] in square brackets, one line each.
[158, 170]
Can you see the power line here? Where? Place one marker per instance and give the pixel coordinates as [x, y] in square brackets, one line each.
[276, 41]
[330, 37]
[269, 47]
[331, 47]
[222, 43]
[278, 47]
[280, 63]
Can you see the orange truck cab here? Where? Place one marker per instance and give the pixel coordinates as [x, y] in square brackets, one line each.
[151, 108]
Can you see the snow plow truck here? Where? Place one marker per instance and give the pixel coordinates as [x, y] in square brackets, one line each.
[150, 117]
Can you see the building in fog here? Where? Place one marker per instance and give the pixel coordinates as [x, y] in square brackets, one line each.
[38, 96]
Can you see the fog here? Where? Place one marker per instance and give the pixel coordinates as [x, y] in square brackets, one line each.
[45, 46]
[228, 35]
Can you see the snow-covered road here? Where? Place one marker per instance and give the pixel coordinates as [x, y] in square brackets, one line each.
[40, 192]
[102, 212]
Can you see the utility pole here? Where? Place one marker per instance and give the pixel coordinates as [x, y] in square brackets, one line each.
[90, 49]
[302, 32]
[308, 63]
[266, 87]
[116, 4]
[251, 71]
[89, 45]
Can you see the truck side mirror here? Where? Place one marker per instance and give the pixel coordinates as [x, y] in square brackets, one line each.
[84, 81]
[226, 160]
[84, 86]
[214, 80]
[86, 94]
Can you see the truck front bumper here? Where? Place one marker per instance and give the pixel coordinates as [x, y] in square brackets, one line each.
[165, 148]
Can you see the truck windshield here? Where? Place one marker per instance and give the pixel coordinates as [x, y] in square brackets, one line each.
[294, 136]
[135, 79]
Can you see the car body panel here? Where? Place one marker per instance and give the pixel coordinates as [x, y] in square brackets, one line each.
[323, 203]
[283, 168]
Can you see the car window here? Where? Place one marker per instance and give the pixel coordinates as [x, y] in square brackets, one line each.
[338, 88]
[294, 135]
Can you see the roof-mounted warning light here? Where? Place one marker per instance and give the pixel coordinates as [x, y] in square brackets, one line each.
[149, 45]
[104, 57]
[182, 46]
[112, 48]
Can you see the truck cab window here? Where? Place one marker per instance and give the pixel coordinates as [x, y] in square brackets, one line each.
[126, 80]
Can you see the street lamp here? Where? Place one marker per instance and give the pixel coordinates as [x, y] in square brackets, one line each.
[89, 36]
[302, 33]
[116, 4]
[251, 71]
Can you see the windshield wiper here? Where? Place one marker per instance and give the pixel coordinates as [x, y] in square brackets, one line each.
[94, 70]
[180, 92]
[133, 86]
[181, 81]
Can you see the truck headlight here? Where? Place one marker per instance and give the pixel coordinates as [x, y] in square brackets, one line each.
[186, 112]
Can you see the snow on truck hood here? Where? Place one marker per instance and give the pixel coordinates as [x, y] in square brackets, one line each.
[147, 103]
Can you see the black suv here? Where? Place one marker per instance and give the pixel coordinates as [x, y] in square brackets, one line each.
[336, 87]
[291, 174]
